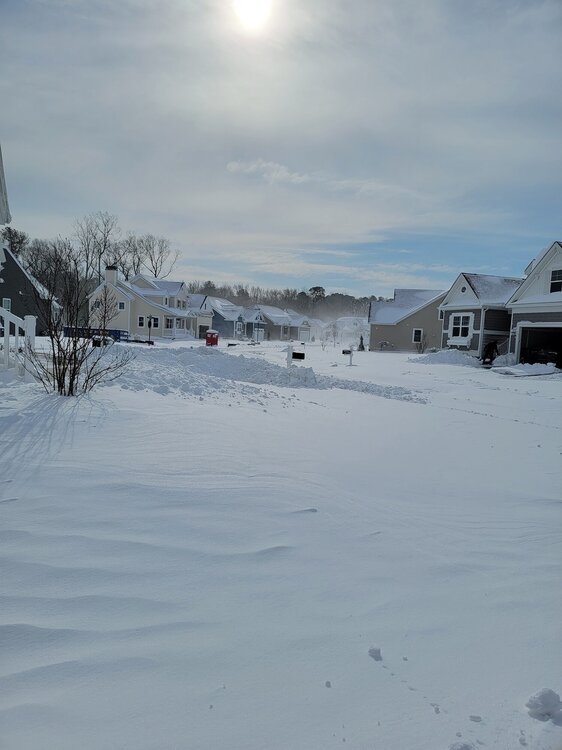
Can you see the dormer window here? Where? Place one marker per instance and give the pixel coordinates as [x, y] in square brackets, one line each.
[556, 281]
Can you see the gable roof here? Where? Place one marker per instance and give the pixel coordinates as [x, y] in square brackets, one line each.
[405, 303]
[228, 310]
[297, 319]
[42, 291]
[5, 217]
[274, 314]
[535, 262]
[492, 289]
[534, 268]
[196, 300]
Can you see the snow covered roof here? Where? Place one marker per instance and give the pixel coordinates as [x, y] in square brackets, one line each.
[534, 263]
[405, 302]
[41, 290]
[296, 318]
[552, 298]
[196, 300]
[224, 307]
[274, 314]
[492, 289]
[5, 217]
[171, 288]
[252, 315]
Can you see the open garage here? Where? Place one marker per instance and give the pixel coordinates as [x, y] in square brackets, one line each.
[541, 344]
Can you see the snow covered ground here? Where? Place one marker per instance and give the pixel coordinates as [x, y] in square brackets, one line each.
[218, 552]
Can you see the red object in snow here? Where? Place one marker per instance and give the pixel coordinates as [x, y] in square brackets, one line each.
[211, 338]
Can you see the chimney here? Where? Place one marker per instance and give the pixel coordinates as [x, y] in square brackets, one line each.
[111, 274]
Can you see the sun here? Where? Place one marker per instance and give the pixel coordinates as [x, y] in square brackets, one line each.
[252, 14]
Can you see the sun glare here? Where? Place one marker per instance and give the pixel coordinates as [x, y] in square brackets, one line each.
[252, 14]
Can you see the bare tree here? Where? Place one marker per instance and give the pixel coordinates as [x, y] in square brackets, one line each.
[71, 364]
[96, 234]
[127, 256]
[157, 255]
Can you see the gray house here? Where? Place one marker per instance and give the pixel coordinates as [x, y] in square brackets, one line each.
[536, 310]
[408, 322]
[474, 312]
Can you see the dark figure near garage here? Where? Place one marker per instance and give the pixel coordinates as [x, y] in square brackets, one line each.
[490, 352]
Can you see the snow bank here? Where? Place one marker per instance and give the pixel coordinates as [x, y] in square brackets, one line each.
[202, 372]
[447, 357]
[538, 369]
[545, 705]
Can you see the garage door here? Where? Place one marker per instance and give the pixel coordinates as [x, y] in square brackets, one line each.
[541, 345]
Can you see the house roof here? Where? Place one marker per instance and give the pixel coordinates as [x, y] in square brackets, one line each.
[224, 307]
[492, 289]
[5, 217]
[42, 291]
[297, 319]
[274, 314]
[252, 315]
[171, 288]
[534, 263]
[405, 303]
[196, 300]
[532, 269]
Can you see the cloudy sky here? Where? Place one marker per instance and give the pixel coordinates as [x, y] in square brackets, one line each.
[355, 144]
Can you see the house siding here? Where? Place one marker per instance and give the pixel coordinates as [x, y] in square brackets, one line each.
[399, 335]
[497, 320]
[474, 344]
[15, 286]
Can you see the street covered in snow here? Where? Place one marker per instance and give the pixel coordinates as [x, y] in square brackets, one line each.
[219, 551]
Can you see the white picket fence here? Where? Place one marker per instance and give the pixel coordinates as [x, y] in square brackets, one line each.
[16, 345]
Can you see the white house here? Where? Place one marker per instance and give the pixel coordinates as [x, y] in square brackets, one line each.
[536, 310]
[149, 306]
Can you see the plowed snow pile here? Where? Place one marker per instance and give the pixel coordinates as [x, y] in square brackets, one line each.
[202, 372]
[447, 357]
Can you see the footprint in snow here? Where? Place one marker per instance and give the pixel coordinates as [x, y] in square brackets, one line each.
[375, 653]
[10, 500]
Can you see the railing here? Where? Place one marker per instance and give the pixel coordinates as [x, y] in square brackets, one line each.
[89, 333]
[12, 330]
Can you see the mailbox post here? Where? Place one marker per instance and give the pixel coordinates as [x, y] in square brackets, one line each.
[350, 353]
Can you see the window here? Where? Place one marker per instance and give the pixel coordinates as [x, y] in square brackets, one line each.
[121, 305]
[165, 300]
[441, 314]
[284, 330]
[155, 322]
[7, 303]
[178, 303]
[463, 289]
[460, 326]
[238, 327]
[169, 323]
[180, 323]
[556, 281]
[141, 321]
[417, 335]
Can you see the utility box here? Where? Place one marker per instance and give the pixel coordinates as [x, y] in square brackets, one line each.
[211, 337]
[298, 355]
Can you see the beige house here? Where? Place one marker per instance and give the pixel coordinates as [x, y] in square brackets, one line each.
[408, 322]
[149, 307]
